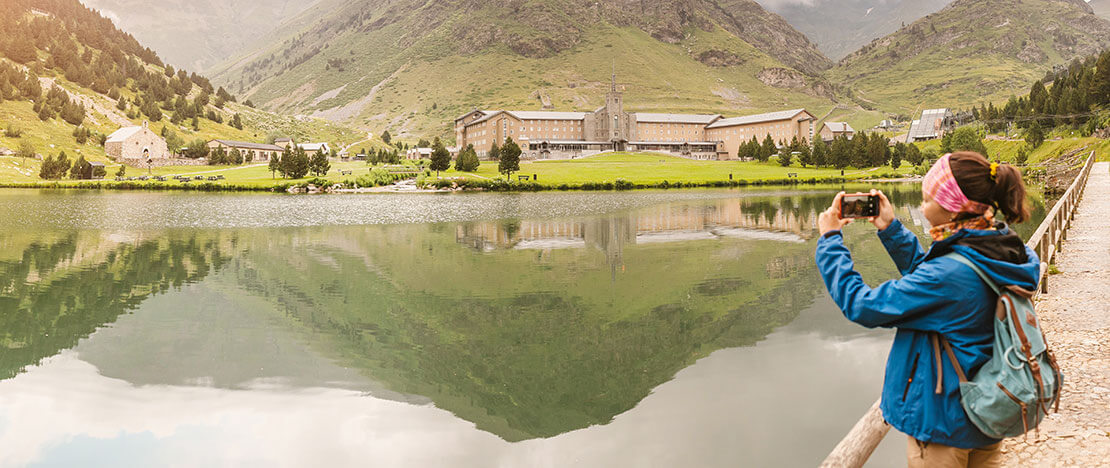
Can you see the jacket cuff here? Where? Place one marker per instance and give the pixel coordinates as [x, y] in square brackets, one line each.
[895, 227]
[831, 233]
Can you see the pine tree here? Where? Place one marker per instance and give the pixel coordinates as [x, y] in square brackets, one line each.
[820, 153]
[218, 156]
[785, 157]
[897, 154]
[319, 164]
[913, 154]
[494, 152]
[946, 143]
[858, 156]
[509, 161]
[1034, 136]
[467, 160]
[79, 169]
[274, 166]
[441, 158]
[805, 158]
[767, 149]
[297, 166]
[386, 138]
[841, 152]
[878, 150]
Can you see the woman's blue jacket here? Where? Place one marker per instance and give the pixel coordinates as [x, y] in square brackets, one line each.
[935, 294]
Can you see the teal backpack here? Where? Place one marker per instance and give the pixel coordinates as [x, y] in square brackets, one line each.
[1012, 392]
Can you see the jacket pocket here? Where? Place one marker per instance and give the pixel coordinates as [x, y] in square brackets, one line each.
[913, 371]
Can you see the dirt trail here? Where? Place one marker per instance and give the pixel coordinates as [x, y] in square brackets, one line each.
[1076, 317]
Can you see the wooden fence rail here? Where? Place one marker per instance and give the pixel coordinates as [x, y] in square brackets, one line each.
[857, 446]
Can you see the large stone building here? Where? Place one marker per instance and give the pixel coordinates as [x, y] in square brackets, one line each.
[138, 143]
[564, 135]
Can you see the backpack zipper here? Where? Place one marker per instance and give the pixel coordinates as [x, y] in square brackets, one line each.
[913, 370]
[1024, 409]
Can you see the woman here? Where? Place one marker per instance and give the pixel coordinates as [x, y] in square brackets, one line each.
[962, 193]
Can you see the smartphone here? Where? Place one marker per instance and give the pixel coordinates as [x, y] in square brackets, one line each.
[859, 205]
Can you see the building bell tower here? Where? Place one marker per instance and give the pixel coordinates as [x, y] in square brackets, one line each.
[616, 121]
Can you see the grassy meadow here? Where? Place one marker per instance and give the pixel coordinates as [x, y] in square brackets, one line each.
[636, 168]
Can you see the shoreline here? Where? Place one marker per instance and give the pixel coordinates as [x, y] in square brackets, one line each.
[303, 187]
[443, 187]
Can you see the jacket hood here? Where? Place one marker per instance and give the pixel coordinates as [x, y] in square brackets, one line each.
[1000, 253]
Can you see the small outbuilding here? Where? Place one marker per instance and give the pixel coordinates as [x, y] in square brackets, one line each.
[831, 130]
[419, 153]
[312, 148]
[96, 170]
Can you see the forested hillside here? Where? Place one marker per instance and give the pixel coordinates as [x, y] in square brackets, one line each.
[971, 51]
[69, 77]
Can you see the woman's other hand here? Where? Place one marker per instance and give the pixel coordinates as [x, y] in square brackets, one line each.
[886, 211]
[830, 220]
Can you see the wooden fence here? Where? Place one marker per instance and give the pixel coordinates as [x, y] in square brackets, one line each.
[857, 446]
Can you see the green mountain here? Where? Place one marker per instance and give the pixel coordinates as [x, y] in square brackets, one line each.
[412, 66]
[215, 30]
[69, 77]
[840, 27]
[971, 51]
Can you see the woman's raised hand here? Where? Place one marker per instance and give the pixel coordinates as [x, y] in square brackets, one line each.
[886, 211]
[830, 219]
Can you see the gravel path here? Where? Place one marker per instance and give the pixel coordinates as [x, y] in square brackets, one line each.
[1076, 317]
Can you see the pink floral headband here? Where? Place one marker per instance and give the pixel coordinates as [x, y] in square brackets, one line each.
[940, 185]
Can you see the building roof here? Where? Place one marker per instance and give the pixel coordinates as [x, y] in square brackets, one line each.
[249, 145]
[840, 127]
[480, 111]
[421, 150]
[673, 143]
[704, 119]
[533, 115]
[123, 134]
[750, 119]
[313, 146]
[282, 140]
[547, 115]
[95, 163]
[928, 126]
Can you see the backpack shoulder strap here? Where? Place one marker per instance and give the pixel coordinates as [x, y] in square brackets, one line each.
[979, 271]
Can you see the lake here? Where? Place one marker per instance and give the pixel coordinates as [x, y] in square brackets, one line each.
[648, 328]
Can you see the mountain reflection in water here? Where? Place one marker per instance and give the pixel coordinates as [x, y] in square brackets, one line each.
[528, 328]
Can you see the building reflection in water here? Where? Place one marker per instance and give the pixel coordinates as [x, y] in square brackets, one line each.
[756, 219]
[665, 223]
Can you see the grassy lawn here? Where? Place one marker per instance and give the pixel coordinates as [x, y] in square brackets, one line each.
[637, 168]
[651, 168]
[16, 170]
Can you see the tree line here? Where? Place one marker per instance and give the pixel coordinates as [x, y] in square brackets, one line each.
[295, 163]
[1065, 96]
[862, 150]
[55, 168]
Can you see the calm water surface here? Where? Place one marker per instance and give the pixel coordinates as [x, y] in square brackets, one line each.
[680, 328]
